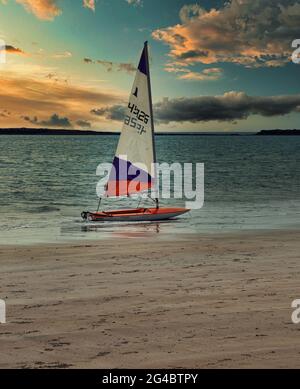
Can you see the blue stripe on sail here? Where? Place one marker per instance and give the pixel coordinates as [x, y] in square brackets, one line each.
[122, 169]
[143, 63]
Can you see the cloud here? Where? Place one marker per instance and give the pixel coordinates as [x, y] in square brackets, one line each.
[230, 106]
[56, 78]
[126, 67]
[49, 9]
[4, 113]
[42, 9]
[13, 50]
[83, 123]
[135, 2]
[56, 122]
[89, 4]
[108, 65]
[115, 112]
[53, 121]
[112, 66]
[210, 74]
[253, 33]
[62, 55]
[25, 96]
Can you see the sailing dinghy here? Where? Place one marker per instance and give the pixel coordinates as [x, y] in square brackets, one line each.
[136, 147]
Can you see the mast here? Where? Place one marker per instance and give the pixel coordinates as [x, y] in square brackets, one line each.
[152, 118]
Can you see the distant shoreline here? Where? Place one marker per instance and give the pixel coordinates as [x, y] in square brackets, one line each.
[47, 131]
[279, 132]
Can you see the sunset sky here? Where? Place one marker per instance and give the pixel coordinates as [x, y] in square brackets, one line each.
[216, 65]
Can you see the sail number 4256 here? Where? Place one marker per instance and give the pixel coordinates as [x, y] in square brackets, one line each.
[140, 115]
[136, 120]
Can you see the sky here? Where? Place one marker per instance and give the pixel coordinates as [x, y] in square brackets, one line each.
[215, 65]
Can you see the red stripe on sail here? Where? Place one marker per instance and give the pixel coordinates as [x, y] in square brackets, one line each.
[126, 188]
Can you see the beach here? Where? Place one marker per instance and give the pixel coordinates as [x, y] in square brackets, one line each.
[197, 301]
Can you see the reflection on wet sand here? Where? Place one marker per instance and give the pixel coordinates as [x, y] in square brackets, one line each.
[127, 230]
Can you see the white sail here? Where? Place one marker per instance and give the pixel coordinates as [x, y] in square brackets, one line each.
[135, 155]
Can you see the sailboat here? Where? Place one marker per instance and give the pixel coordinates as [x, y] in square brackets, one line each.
[136, 147]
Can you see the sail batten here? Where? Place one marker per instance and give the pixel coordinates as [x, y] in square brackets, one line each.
[135, 156]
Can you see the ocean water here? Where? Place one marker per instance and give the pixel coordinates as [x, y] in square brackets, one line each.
[251, 183]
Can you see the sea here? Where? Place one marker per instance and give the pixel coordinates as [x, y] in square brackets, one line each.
[251, 183]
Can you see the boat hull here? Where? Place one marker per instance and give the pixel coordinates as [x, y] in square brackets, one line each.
[135, 215]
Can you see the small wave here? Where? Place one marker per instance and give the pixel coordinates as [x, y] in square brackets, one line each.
[43, 209]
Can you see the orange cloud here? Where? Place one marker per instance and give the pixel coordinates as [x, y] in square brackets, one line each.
[89, 4]
[210, 74]
[247, 32]
[49, 9]
[42, 9]
[41, 98]
[13, 50]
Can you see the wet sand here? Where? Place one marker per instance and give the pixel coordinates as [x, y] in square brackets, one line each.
[201, 301]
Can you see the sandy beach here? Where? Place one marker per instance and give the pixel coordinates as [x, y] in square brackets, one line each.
[200, 301]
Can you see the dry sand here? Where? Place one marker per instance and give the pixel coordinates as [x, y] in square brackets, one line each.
[201, 301]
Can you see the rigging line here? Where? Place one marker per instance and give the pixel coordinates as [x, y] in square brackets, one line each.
[100, 199]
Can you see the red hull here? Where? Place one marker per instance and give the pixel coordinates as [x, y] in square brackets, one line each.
[141, 214]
